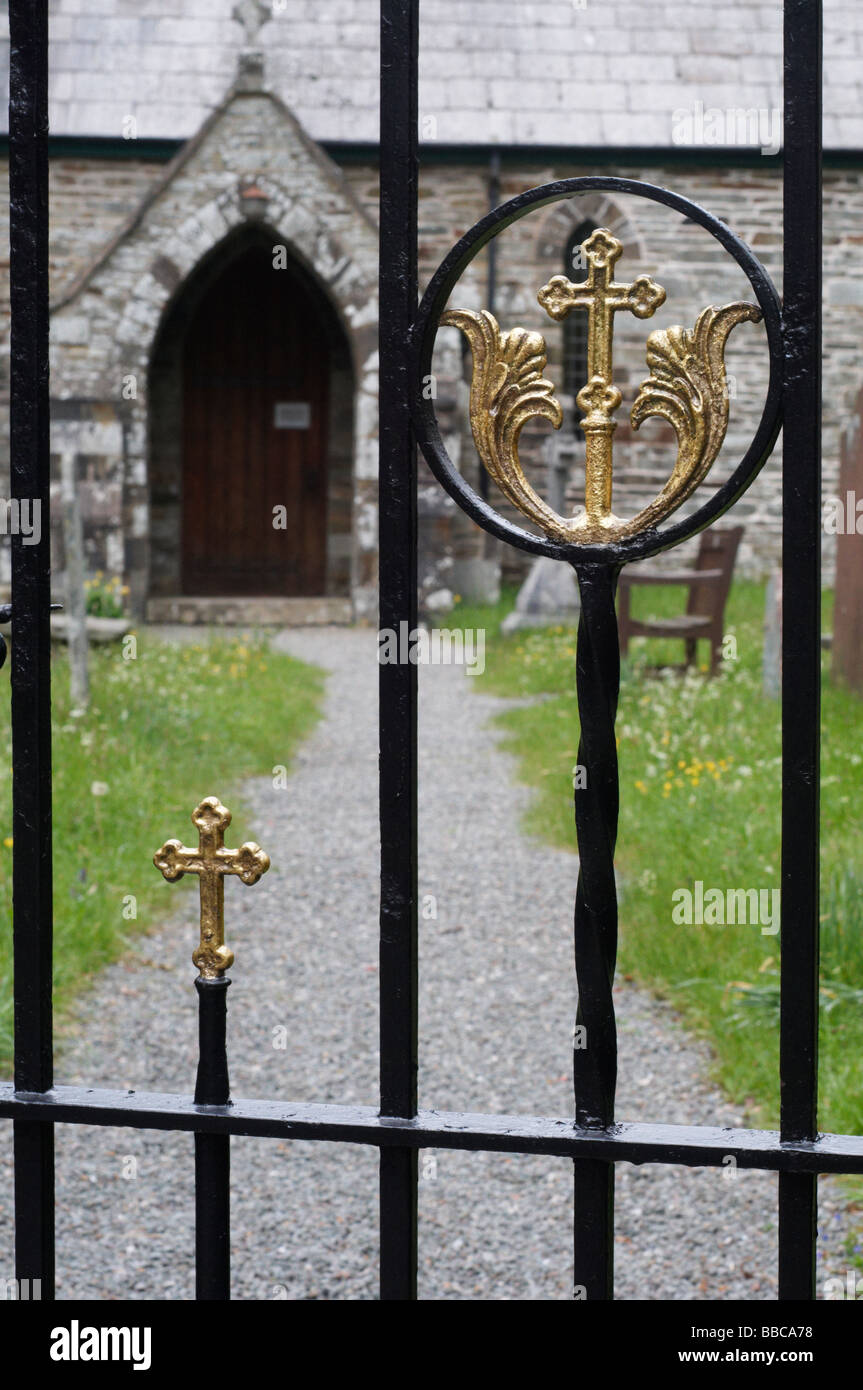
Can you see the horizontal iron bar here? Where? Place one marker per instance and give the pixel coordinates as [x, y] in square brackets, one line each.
[693, 1145]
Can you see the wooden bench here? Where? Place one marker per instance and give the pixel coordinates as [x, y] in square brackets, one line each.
[709, 583]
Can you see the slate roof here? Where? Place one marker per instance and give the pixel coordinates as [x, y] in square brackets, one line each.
[562, 72]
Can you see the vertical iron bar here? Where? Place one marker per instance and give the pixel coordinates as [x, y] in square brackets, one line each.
[31, 649]
[212, 1151]
[398, 603]
[801, 635]
[593, 1230]
[595, 928]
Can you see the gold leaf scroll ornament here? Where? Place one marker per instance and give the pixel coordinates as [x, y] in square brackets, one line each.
[687, 387]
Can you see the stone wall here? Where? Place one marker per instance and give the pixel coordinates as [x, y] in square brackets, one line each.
[517, 72]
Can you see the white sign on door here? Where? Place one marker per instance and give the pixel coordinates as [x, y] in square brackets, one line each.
[292, 415]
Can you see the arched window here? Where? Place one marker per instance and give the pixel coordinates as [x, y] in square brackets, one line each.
[575, 323]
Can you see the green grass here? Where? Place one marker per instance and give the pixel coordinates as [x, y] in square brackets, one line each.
[163, 730]
[700, 798]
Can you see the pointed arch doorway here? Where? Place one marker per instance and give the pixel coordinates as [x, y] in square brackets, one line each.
[255, 386]
[250, 432]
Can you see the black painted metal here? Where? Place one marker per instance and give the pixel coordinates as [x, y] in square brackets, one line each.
[212, 1217]
[596, 807]
[31, 650]
[398, 603]
[595, 1142]
[595, 927]
[692, 1145]
[593, 1230]
[801, 637]
[212, 1151]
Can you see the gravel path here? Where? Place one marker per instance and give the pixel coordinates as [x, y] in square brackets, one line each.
[496, 1015]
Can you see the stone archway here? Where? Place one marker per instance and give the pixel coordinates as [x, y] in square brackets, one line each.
[598, 208]
[309, 245]
[208, 195]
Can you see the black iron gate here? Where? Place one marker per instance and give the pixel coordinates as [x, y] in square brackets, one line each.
[594, 1141]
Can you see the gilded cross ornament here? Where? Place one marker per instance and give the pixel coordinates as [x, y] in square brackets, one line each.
[686, 387]
[211, 861]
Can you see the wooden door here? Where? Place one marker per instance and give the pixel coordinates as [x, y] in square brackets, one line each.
[255, 387]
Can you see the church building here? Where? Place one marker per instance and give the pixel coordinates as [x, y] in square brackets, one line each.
[214, 268]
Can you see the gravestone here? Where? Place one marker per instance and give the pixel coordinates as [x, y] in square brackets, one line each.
[549, 595]
[772, 657]
[76, 599]
[848, 604]
[547, 598]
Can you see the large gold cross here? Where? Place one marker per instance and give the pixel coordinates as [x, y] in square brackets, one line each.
[602, 297]
[686, 388]
[211, 861]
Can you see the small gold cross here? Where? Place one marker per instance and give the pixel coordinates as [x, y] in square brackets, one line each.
[602, 297]
[211, 861]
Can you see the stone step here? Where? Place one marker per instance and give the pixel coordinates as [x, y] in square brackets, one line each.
[250, 612]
